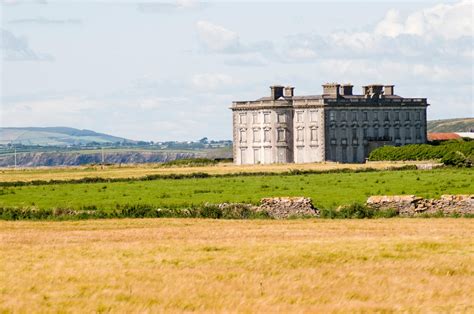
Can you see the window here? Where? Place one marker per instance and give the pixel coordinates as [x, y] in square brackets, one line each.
[243, 118]
[266, 135]
[243, 136]
[266, 117]
[354, 133]
[256, 155]
[332, 115]
[313, 115]
[407, 133]
[397, 133]
[365, 115]
[364, 132]
[343, 116]
[332, 133]
[386, 132]
[376, 116]
[397, 115]
[418, 116]
[300, 134]
[256, 118]
[407, 116]
[376, 132]
[354, 115]
[314, 134]
[243, 153]
[299, 116]
[281, 118]
[256, 135]
[418, 133]
[281, 135]
[385, 115]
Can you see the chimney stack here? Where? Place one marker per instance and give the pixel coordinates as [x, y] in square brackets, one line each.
[331, 89]
[346, 89]
[276, 91]
[388, 90]
[289, 91]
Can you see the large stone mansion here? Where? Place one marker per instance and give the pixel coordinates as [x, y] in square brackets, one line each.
[334, 126]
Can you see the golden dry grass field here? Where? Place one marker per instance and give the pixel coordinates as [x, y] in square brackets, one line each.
[169, 265]
[141, 170]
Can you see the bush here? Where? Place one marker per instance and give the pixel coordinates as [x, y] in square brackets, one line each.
[459, 153]
[456, 159]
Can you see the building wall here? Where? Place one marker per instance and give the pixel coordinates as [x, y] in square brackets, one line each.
[308, 135]
[351, 133]
[263, 136]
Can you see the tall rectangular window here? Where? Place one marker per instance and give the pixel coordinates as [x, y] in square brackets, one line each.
[354, 115]
[313, 116]
[256, 135]
[266, 135]
[332, 115]
[314, 134]
[365, 116]
[418, 133]
[266, 117]
[407, 115]
[397, 115]
[300, 135]
[343, 116]
[386, 132]
[243, 118]
[385, 116]
[407, 132]
[243, 136]
[397, 133]
[299, 116]
[354, 133]
[281, 135]
[256, 119]
[418, 116]
[364, 130]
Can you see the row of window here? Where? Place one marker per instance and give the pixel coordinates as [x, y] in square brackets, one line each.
[376, 115]
[376, 132]
[281, 135]
[281, 117]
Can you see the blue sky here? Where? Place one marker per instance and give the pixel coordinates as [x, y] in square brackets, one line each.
[170, 70]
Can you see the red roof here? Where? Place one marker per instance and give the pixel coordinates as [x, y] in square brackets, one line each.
[442, 136]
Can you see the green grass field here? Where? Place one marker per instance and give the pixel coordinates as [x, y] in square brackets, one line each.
[327, 190]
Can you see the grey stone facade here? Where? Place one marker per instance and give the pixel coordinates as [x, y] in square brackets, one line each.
[335, 126]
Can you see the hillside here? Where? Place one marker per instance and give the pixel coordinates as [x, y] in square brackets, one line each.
[451, 125]
[55, 136]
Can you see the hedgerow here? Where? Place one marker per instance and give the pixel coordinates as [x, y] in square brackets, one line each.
[458, 153]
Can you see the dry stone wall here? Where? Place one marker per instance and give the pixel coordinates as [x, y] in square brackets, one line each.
[411, 205]
[285, 207]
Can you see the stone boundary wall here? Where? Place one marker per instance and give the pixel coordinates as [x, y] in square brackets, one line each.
[286, 207]
[411, 205]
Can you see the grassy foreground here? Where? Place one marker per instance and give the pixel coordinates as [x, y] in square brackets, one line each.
[327, 190]
[149, 265]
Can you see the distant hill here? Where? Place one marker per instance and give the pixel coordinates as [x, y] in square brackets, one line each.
[451, 125]
[57, 136]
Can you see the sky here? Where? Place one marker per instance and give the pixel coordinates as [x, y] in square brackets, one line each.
[170, 70]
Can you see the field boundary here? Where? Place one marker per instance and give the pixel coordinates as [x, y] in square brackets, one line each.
[199, 175]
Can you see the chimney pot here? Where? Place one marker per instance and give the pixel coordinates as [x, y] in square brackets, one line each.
[289, 91]
[388, 90]
[331, 89]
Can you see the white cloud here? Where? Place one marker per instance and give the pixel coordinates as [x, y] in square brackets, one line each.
[212, 81]
[449, 21]
[217, 38]
[14, 48]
